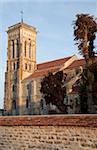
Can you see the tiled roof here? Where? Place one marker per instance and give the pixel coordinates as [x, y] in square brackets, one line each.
[40, 73]
[52, 63]
[45, 68]
[77, 63]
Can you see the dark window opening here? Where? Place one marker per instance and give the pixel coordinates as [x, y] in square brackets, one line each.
[17, 47]
[42, 104]
[30, 50]
[26, 66]
[27, 102]
[14, 104]
[25, 47]
[27, 86]
[12, 48]
[17, 65]
[14, 66]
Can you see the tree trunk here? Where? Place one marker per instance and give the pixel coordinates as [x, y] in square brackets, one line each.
[89, 74]
[89, 92]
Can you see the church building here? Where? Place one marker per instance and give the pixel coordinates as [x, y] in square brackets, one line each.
[23, 75]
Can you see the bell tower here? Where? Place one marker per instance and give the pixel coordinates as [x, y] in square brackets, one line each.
[21, 62]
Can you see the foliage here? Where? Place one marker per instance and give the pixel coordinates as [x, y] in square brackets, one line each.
[85, 28]
[83, 93]
[83, 88]
[53, 90]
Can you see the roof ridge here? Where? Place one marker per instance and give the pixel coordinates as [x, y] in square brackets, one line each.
[55, 60]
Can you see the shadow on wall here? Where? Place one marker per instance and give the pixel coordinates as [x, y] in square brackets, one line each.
[32, 108]
[35, 108]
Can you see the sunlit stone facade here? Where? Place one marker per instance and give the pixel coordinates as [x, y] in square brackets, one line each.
[23, 76]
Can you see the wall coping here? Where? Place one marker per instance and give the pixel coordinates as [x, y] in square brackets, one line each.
[89, 120]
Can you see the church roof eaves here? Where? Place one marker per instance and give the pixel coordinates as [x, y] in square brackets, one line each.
[40, 73]
[21, 24]
[46, 67]
[76, 63]
[53, 63]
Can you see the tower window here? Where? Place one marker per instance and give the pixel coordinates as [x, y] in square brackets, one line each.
[17, 47]
[26, 66]
[14, 66]
[30, 50]
[12, 48]
[17, 65]
[25, 48]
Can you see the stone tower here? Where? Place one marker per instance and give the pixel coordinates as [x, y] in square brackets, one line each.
[21, 62]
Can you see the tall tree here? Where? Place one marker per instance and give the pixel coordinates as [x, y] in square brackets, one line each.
[53, 90]
[85, 28]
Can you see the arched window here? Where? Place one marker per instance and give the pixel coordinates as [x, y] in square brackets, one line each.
[29, 49]
[13, 49]
[27, 102]
[14, 104]
[17, 65]
[26, 66]
[14, 66]
[17, 47]
[25, 48]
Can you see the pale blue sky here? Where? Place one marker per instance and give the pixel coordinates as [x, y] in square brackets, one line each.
[52, 18]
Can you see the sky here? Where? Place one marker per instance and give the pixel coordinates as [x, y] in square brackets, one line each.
[54, 22]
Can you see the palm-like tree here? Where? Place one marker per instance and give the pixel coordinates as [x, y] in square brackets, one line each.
[85, 28]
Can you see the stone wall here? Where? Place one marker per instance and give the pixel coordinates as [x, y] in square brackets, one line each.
[63, 132]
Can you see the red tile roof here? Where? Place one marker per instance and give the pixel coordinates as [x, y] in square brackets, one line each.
[40, 73]
[44, 68]
[52, 63]
[79, 62]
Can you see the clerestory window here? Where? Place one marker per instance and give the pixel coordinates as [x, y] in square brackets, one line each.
[27, 102]
[14, 104]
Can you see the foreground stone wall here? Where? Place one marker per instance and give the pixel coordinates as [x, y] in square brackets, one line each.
[48, 132]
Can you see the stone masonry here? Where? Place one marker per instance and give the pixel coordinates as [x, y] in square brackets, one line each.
[49, 132]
